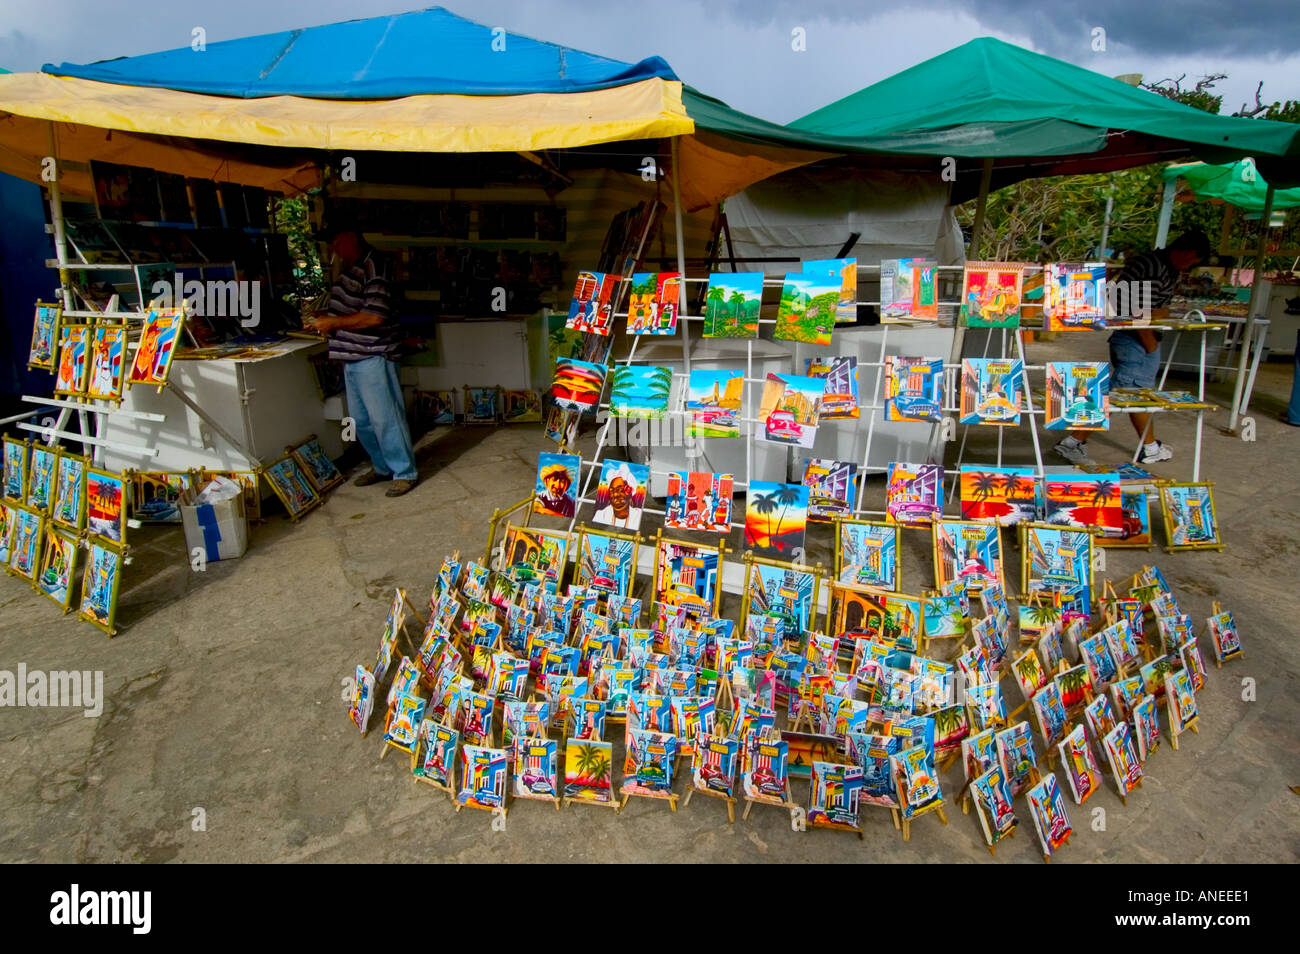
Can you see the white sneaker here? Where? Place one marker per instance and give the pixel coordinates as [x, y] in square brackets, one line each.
[1162, 452]
[1073, 451]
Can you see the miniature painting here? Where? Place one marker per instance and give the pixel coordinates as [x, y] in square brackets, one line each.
[537, 769]
[45, 332]
[363, 692]
[832, 488]
[521, 407]
[907, 288]
[1083, 501]
[107, 362]
[1050, 712]
[648, 766]
[1096, 656]
[764, 770]
[713, 399]
[834, 796]
[317, 466]
[698, 500]
[1016, 756]
[789, 409]
[866, 553]
[843, 274]
[15, 470]
[99, 585]
[840, 388]
[914, 389]
[56, 568]
[158, 344]
[620, 497]
[1146, 727]
[1005, 494]
[687, 575]
[592, 307]
[577, 385]
[1081, 772]
[404, 715]
[74, 364]
[640, 391]
[1074, 296]
[1029, 674]
[69, 507]
[991, 295]
[1078, 396]
[732, 303]
[436, 757]
[483, 777]
[914, 493]
[713, 766]
[291, 486]
[1153, 674]
[588, 774]
[653, 302]
[971, 552]
[993, 805]
[776, 518]
[40, 480]
[807, 308]
[1048, 810]
[986, 705]
[1122, 756]
[1075, 686]
[1190, 519]
[943, 617]
[556, 490]
[1181, 700]
[991, 389]
[920, 783]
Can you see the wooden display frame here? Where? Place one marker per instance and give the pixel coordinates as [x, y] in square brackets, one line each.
[584, 532]
[97, 332]
[1170, 546]
[55, 330]
[658, 593]
[817, 573]
[79, 524]
[293, 512]
[319, 484]
[42, 522]
[121, 521]
[975, 585]
[837, 562]
[24, 479]
[1025, 569]
[50, 535]
[108, 624]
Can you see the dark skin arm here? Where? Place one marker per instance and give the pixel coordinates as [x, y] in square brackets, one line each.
[324, 324]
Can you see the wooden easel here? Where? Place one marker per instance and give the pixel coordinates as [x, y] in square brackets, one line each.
[450, 787]
[701, 742]
[934, 805]
[1215, 610]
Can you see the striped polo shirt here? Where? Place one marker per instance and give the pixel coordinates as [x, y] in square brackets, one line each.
[363, 286]
[1156, 277]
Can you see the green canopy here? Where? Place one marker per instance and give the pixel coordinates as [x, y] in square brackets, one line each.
[990, 99]
[1237, 184]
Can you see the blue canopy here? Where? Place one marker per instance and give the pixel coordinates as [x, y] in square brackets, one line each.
[424, 52]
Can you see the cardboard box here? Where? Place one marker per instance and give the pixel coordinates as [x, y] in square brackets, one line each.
[219, 530]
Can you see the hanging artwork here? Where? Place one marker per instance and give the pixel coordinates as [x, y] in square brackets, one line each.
[556, 490]
[971, 552]
[15, 470]
[840, 392]
[620, 497]
[991, 390]
[776, 518]
[1078, 396]
[1074, 296]
[482, 778]
[158, 344]
[74, 360]
[698, 500]
[913, 389]
[991, 294]
[732, 303]
[866, 553]
[577, 385]
[316, 465]
[45, 335]
[107, 362]
[843, 274]
[1008, 495]
[291, 486]
[789, 409]
[99, 585]
[592, 307]
[69, 507]
[907, 288]
[713, 399]
[914, 493]
[993, 805]
[105, 505]
[807, 308]
[653, 301]
[832, 488]
[40, 478]
[1190, 519]
[640, 391]
[1047, 808]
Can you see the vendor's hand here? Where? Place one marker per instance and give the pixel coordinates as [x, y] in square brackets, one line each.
[321, 324]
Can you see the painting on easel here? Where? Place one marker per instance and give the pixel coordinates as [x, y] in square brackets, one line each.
[1050, 818]
[993, 806]
[483, 778]
[588, 772]
[536, 770]
[435, 757]
[834, 795]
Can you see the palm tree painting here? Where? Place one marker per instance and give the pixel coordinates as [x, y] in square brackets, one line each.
[640, 391]
[587, 771]
[788, 504]
[732, 303]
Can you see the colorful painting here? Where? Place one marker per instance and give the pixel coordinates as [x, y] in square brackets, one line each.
[1083, 501]
[107, 362]
[914, 389]
[74, 363]
[866, 553]
[1075, 686]
[1136, 532]
[1223, 632]
[1122, 644]
[393, 624]
[920, 783]
[7, 518]
[640, 391]
[577, 385]
[592, 306]
[971, 552]
[653, 302]
[556, 490]
[482, 777]
[1122, 756]
[992, 800]
[1146, 727]
[588, 770]
[1050, 712]
[776, 519]
[832, 488]
[15, 469]
[907, 288]
[606, 563]
[1055, 560]
[1096, 656]
[316, 465]
[40, 480]
[154, 496]
[1008, 495]
[99, 584]
[764, 770]
[991, 389]
[649, 763]
[438, 406]
[1081, 772]
[1050, 818]
[840, 391]
[914, 493]
[713, 765]
[991, 294]
[1190, 654]
[105, 505]
[291, 486]
[436, 756]
[732, 303]
[713, 399]
[69, 507]
[404, 715]
[687, 576]
[158, 344]
[1190, 519]
[58, 558]
[873, 754]
[1078, 396]
[807, 310]
[790, 409]
[482, 405]
[363, 692]
[620, 497]
[786, 593]
[698, 500]
[1180, 697]
[45, 332]
[1074, 296]
[1017, 758]
[521, 407]
[536, 772]
[843, 274]
[987, 706]
[943, 617]
[834, 796]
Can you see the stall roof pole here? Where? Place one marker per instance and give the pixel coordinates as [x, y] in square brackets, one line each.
[977, 227]
[681, 257]
[1166, 213]
[1256, 290]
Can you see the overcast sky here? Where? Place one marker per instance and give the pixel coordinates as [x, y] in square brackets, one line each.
[740, 50]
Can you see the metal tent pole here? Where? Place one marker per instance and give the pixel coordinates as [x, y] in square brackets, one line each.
[1256, 290]
[1166, 213]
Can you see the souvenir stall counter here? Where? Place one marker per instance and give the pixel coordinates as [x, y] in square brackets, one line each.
[263, 403]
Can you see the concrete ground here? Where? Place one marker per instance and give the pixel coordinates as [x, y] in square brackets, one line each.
[224, 693]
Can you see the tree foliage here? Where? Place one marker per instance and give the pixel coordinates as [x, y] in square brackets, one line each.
[291, 219]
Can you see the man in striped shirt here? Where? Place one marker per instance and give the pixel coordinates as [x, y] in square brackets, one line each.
[363, 335]
[1135, 352]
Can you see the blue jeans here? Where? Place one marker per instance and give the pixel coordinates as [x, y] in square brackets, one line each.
[375, 403]
[1293, 411]
[1130, 364]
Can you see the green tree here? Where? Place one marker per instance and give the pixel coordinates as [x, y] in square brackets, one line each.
[309, 278]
